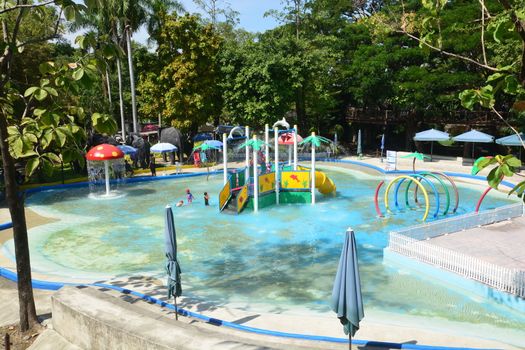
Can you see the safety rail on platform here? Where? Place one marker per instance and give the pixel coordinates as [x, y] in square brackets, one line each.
[414, 243]
[501, 278]
[462, 222]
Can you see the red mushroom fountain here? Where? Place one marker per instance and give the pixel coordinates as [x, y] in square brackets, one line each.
[104, 152]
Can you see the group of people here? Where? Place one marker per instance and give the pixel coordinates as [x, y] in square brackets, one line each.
[129, 169]
[189, 198]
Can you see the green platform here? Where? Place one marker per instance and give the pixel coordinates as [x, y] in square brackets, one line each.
[268, 199]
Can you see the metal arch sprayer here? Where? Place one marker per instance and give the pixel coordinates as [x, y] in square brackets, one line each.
[405, 177]
[425, 174]
[452, 182]
[412, 177]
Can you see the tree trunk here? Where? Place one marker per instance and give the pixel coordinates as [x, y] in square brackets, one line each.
[132, 80]
[28, 316]
[411, 128]
[121, 100]
[300, 110]
[109, 90]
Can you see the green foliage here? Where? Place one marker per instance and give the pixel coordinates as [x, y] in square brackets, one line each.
[185, 89]
[49, 130]
[505, 166]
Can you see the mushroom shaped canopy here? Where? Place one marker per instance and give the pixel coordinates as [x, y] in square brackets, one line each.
[104, 152]
[287, 138]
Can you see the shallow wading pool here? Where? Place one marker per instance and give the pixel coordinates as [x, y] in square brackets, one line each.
[280, 260]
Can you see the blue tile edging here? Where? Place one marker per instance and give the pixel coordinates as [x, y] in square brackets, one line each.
[9, 224]
[401, 172]
[45, 285]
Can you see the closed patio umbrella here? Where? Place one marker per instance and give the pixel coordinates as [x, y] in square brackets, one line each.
[347, 301]
[172, 265]
[474, 136]
[431, 135]
[359, 148]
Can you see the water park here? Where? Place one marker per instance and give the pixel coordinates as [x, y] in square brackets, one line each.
[288, 216]
[280, 174]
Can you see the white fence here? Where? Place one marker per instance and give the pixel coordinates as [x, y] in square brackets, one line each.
[462, 222]
[412, 243]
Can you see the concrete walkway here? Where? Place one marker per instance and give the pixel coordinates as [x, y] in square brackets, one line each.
[9, 303]
[502, 243]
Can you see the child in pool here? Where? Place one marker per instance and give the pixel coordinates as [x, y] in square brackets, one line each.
[189, 196]
[206, 198]
[180, 203]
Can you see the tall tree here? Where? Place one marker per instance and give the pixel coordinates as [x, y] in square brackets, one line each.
[20, 136]
[185, 89]
[217, 9]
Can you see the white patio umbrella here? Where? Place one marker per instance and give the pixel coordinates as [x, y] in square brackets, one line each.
[474, 136]
[431, 135]
[163, 147]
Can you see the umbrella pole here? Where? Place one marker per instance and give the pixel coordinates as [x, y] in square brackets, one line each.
[431, 150]
[350, 341]
[176, 308]
[472, 152]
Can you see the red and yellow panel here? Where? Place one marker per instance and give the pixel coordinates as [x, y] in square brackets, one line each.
[295, 180]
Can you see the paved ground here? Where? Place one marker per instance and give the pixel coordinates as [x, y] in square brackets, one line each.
[502, 243]
[9, 303]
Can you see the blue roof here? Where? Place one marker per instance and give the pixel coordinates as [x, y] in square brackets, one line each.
[511, 140]
[431, 135]
[474, 136]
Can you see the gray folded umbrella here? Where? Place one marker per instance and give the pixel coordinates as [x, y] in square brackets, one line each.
[172, 265]
[347, 301]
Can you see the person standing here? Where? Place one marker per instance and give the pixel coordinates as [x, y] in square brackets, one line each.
[206, 198]
[189, 196]
[152, 167]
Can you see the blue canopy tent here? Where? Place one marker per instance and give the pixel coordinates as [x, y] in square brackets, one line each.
[203, 136]
[432, 135]
[512, 140]
[474, 136]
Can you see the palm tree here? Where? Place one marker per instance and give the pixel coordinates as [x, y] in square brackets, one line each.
[315, 141]
[102, 22]
[157, 11]
[414, 156]
[133, 14]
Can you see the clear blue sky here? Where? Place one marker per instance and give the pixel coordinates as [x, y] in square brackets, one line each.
[251, 15]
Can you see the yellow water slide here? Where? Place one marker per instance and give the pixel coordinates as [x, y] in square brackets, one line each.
[323, 183]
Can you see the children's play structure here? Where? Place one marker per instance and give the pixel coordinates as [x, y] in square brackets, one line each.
[433, 185]
[262, 183]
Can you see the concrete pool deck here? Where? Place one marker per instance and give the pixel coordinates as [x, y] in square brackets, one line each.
[403, 330]
[396, 331]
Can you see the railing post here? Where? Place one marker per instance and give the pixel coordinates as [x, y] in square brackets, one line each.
[276, 164]
[247, 156]
[225, 158]
[255, 177]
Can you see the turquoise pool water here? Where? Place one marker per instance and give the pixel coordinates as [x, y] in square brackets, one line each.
[282, 259]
